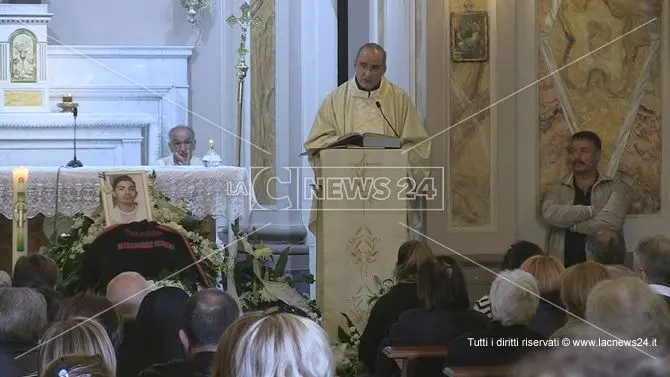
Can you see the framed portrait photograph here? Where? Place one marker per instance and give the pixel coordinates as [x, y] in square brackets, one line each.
[125, 197]
[469, 36]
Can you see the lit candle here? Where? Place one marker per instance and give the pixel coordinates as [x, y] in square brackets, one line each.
[211, 143]
[20, 177]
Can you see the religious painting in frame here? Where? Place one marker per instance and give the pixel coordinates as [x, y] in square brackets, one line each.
[23, 52]
[469, 36]
[125, 197]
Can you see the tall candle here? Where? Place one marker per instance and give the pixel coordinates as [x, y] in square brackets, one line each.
[20, 178]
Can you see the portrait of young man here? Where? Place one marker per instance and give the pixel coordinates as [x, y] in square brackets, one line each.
[127, 201]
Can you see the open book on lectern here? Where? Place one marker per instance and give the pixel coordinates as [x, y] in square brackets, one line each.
[358, 140]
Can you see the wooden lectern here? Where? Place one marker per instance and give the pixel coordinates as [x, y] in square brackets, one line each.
[360, 206]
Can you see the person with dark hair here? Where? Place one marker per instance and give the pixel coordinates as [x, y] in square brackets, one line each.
[156, 341]
[207, 315]
[513, 259]
[40, 273]
[35, 270]
[400, 298]
[606, 247]
[125, 210]
[369, 103]
[444, 315]
[585, 202]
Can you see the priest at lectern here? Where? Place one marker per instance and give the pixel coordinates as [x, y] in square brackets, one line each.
[369, 103]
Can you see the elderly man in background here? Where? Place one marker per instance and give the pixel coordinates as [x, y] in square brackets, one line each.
[23, 315]
[182, 145]
[628, 309]
[652, 263]
[514, 300]
[126, 292]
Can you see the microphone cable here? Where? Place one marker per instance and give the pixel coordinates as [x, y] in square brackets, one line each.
[379, 106]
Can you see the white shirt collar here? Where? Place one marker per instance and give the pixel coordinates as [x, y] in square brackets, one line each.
[660, 289]
[357, 92]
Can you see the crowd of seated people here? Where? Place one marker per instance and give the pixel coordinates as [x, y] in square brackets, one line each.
[533, 306]
[138, 330]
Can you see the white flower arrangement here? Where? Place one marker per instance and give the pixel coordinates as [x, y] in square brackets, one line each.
[349, 337]
[69, 248]
[252, 275]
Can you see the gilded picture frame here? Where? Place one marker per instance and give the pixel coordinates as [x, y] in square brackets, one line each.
[469, 36]
[129, 189]
[23, 56]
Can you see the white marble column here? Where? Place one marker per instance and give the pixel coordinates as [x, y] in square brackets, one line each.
[318, 77]
[398, 26]
[230, 37]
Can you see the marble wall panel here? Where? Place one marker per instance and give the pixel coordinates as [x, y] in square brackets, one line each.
[470, 141]
[608, 81]
[263, 106]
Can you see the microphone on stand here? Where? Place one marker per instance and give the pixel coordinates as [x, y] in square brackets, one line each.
[379, 106]
[75, 163]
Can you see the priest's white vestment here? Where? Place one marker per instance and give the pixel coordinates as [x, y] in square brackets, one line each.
[349, 109]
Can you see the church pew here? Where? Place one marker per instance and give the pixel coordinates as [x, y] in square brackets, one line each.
[406, 357]
[478, 371]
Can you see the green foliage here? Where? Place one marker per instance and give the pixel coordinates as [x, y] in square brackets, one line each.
[71, 264]
[68, 249]
[256, 263]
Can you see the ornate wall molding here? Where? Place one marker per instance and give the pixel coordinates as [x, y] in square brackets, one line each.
[58, 120]
[121, 52]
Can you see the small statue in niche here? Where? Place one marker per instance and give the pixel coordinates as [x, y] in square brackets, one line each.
[24, 67]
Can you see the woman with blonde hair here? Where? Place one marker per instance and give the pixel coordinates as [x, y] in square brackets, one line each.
[226, 349]
[547, 271]
[576, 285]
[399, 299]
[282, 344]
[77, 366]
[76, 336]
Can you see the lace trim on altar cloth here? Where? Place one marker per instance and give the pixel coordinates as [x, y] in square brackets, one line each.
[222, 191]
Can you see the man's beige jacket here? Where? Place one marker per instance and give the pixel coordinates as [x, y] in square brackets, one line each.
[610, 201]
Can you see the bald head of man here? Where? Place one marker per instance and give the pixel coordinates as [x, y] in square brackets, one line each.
[126, 292]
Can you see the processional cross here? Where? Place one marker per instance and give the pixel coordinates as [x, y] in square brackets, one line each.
[245, 21]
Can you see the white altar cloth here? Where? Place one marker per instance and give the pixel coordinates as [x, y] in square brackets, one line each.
[223, 191]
